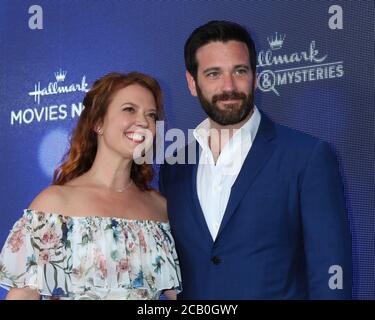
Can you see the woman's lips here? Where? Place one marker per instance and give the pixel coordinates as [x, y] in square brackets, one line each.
[135, 137]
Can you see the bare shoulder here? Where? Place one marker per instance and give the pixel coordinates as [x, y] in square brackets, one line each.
[161, 205]
[51, 199]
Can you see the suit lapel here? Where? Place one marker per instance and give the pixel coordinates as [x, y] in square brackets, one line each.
[197, 212]
[257, 157]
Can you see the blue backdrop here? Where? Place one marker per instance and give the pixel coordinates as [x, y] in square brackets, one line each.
[315, 73]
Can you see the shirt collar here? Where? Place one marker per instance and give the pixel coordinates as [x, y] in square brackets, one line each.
[250, 127]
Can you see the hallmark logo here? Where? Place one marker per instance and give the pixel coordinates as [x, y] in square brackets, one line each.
[314, 65]
[276, 42]
[57, 111]
[60, 76]
[56, 87]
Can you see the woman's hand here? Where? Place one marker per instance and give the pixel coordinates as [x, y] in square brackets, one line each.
[23, 294]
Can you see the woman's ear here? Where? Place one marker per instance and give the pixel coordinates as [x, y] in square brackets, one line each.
[99, 129]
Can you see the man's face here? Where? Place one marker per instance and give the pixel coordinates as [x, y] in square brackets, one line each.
[225, 83]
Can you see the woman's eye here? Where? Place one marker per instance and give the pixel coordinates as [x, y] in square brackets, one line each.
[153, 115]
[128, 109]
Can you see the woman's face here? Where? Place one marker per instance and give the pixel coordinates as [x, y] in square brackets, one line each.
[130, 122]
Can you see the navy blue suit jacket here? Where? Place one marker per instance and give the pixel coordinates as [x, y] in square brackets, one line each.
[285, 224]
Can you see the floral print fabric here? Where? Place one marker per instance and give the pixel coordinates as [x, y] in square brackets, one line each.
[90, 257]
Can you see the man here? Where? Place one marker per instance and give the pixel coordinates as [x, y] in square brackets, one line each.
[261, 215]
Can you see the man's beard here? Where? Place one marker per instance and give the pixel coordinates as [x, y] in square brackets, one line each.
[233, 113]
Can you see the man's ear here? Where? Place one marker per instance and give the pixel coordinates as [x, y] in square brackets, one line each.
[191, 84]
[255, 82]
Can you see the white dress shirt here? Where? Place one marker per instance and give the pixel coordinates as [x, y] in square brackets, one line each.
[214, 181]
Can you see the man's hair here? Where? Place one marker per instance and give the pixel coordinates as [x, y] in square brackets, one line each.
[216, 31]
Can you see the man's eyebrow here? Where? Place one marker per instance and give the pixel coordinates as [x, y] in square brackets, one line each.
[245, 66]
[211, 69]
[242, 66]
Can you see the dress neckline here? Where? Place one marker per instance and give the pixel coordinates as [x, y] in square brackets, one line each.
[96, 217]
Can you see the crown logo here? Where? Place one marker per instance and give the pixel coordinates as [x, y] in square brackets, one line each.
[277, 41]
[60, 75]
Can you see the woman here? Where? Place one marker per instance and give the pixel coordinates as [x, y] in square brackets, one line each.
[100, 231]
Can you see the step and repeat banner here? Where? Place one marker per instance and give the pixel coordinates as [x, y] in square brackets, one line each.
[315, 74]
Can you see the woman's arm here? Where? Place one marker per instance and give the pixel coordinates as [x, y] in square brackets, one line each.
[23, 294]
[170, 294]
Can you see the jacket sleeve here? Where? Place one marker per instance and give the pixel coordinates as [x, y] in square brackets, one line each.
[161, 179]
[327, 239]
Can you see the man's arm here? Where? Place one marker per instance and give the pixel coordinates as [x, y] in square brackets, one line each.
[161, 179]
[327, 239]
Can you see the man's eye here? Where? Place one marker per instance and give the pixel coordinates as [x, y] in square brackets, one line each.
[213, 74]
[241, 71]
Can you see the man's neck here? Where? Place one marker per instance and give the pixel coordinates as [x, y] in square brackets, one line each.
[220, 135]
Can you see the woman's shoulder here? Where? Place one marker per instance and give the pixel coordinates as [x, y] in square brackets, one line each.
[160, 204]
[51, 199]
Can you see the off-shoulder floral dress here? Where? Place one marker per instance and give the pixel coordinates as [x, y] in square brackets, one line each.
[90, 257]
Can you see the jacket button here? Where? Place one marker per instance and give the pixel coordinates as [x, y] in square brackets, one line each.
[216, 260]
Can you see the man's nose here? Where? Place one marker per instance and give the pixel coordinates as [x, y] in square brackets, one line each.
[228, 83]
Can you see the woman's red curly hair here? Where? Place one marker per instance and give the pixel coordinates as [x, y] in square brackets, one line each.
[83, 142]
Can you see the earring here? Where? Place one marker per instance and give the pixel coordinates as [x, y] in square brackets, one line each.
[99, 131]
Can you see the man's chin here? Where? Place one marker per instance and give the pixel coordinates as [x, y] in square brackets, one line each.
[225, 120]
[228, 117]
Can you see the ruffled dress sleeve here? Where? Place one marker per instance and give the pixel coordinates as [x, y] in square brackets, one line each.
[18, 262]
[90, 257]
